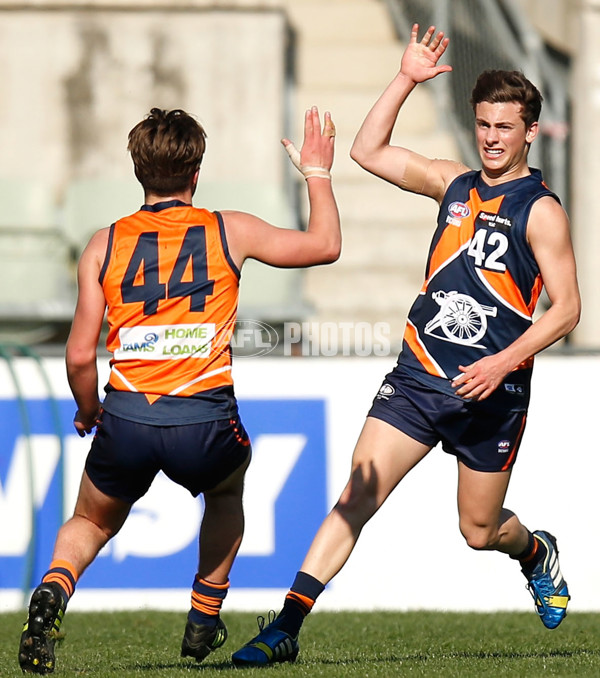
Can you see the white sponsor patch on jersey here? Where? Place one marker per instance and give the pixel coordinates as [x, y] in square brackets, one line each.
[165, 342]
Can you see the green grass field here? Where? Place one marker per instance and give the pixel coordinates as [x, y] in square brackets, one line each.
[332, 644]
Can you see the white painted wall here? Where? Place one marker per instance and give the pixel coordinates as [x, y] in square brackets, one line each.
[84, 77]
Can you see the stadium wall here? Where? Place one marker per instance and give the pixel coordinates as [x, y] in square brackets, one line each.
[304, 415]
[77, 77]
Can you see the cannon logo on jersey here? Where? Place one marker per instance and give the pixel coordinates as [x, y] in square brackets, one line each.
[460, 320]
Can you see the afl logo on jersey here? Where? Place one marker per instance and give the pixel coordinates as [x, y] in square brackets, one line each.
[458, 210]
[503, 446]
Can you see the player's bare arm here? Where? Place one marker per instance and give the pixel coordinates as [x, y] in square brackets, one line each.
[251, 237]
[85, 332]
[550, 239]
[372, 149]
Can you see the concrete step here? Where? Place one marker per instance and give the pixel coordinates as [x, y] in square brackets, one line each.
[346, 21]
[385, 244]
[347, 65]
[376, 287]
[349, 107]
[372, 200]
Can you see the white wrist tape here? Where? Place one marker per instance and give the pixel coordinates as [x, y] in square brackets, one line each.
[310, 171]
[307, 170]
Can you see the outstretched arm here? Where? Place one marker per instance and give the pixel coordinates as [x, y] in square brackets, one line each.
[549, 236]
[372, 149]
[249, 236]
[85, 331]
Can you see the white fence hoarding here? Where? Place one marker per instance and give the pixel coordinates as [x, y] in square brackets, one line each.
[304, 416]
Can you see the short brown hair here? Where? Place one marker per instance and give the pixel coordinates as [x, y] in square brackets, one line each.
[507, 86]
[166, 148]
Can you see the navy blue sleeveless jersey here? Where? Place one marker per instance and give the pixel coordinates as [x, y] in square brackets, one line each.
[481, 284]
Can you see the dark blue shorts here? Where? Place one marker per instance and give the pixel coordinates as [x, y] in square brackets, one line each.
[125, 456]
[483, 435]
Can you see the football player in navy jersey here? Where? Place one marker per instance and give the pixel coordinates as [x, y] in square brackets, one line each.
[462, 378]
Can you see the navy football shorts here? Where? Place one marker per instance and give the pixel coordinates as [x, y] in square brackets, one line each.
[125, 456]
[483, 435]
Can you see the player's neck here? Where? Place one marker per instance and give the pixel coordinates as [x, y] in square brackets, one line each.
[153, 199]
[493, 179]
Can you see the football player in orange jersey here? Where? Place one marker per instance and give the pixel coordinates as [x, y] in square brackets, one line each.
[462, 378]
[167, 277]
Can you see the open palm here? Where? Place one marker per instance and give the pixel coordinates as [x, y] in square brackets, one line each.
[420, 58]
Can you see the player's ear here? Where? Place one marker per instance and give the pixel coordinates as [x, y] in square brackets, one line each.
[195, 180]
[532, 132]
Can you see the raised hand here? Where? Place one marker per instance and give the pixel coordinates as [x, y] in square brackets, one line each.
[419, 62]
[316, 156]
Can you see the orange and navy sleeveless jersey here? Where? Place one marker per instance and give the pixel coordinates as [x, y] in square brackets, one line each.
[482, 281]
[172, 292]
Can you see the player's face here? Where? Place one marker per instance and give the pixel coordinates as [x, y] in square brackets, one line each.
[502, 140]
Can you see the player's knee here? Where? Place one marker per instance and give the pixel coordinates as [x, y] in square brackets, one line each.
[479, 537]
[99, 528]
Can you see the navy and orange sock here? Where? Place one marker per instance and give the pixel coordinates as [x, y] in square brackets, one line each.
[63, 573]
[533, 553]
[207, 599]
[299, 602]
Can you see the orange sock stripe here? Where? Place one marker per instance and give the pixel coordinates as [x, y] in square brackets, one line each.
[211, 607]
[63, 573]
[533, 552]
[66, 565]
[210, 611]
[213, 585]
[61, 580]
[304, 601]
[206, 604]
[209, 599]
